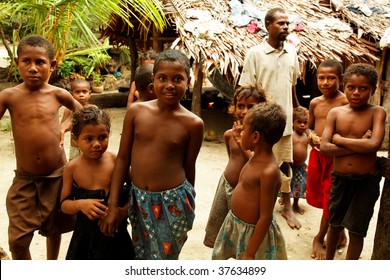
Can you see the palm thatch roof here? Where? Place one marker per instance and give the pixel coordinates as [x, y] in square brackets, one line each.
[208, 34]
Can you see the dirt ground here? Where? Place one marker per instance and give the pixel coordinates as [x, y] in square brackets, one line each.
[210, 165]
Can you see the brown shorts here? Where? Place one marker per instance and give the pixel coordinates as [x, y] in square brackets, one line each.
[33, 203]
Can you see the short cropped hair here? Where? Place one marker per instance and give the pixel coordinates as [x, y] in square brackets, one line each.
[332, 63]
[269, 119]
[78, 82]
[89, 114]
[143, 77]
[363, 69]
[36, 41]
[270, 15]
[172, 56]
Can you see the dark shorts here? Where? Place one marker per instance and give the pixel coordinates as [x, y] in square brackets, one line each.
[33, 203]
[352, 201]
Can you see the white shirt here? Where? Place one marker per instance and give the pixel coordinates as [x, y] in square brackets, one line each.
[277, 71]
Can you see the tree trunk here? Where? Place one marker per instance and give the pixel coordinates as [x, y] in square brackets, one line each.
[381, 250]
[197, 91]
[10, 54]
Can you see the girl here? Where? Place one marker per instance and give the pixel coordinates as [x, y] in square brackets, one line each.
[244, 99]
[86, 187]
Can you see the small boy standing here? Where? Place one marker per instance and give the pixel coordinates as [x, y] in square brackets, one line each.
[160, 142]
[299, 166]
[33, 199]
[81, 91]
[352, 135]
[250, 230]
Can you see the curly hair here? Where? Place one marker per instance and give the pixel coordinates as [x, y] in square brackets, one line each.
[89, 115]
[363, 69]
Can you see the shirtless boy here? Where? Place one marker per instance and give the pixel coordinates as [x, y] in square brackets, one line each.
[329, 75]
[250, 231]
[352, 135]
[33, 199]
[161, 142]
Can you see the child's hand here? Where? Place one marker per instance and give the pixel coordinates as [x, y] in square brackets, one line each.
[92, 208]
[237, 129]
[335, 138]
[314, 140]
[367, 135]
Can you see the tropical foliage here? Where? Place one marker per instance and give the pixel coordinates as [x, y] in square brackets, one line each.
[74, 24]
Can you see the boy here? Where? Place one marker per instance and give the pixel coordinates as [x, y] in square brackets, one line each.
[352, 135]
[250, 230]
[329, 75]
[299, 167]
[144, 82]
[160, 141]
[81, 91]
[33, 199]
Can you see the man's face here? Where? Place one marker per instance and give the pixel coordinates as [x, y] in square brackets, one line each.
[278, 29]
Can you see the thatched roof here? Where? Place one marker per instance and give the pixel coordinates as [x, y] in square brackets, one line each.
[213, 38]
[372, 22]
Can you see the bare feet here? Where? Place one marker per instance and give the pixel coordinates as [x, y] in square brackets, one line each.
[298, 209]
[288, 214]
[318, 251]
[281, 201]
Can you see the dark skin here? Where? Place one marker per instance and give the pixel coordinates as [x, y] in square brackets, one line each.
[254, 197]
[160, 135]
[33, 106]
[353, 145]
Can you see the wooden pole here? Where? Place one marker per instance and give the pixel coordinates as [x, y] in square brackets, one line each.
[381, 250]
[197, 90]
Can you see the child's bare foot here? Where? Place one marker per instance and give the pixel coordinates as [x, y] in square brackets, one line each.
[281, 201]
[318, 252]
[298, 209]
[288, 214]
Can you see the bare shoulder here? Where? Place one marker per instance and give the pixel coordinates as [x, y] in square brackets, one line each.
[228, 134]
[110, 155]
[190, 118]
[11, 91]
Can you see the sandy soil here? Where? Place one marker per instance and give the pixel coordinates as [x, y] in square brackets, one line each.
[210, 165]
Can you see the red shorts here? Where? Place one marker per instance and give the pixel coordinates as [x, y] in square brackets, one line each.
[319, 181]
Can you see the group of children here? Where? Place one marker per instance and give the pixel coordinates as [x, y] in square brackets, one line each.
[97, 192]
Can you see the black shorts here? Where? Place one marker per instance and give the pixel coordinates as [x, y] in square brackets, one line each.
[352, 200]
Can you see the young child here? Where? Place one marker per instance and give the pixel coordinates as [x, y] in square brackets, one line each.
[144, 82]
[160, 141]
[353, 134]
[147, 57]
[300, 145]
[87, 195]
[244, 99]
[33, 199]
[81, 91]
[250, 230]
[329, 75]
